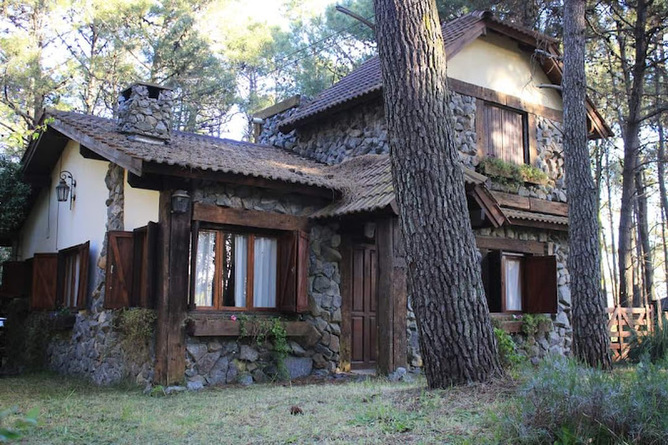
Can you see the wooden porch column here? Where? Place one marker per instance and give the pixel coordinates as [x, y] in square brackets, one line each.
[172, 287]
[391, 310]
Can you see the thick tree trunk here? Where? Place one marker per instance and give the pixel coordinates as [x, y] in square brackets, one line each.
[590, 336]
[643, 237]
[456, 336]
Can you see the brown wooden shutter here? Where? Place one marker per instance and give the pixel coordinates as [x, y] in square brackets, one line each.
[144, 256]
[120, 250]
[540, 284]
[287, 294]
[14, 279]
[491, 278]
[44, 281]
[302, 271]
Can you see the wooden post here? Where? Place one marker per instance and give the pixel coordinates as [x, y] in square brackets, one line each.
[172, 298]
[346, 294]
[391, 309]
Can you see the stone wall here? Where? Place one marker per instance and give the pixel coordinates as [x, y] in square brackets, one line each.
[219, 360]
[558, 339]
[93, 349]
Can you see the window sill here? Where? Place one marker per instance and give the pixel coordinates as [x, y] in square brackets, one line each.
[211, 326]
[512, 323]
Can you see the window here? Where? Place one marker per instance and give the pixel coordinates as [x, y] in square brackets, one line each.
[516, 282]
[235, 270]
[73, 276]
[505, 132]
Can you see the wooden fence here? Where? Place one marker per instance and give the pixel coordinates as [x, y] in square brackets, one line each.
[621, 324]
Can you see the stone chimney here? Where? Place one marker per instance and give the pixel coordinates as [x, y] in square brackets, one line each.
[145, 112]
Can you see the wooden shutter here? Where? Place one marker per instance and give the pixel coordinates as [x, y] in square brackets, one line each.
[119, 274]
[293, 272]
[14, 279]
[287, 269]
[67, 259]
[504, 133]
[540, 284]
[144, 264]
[302, 271]
[44, 281]
[491, 278]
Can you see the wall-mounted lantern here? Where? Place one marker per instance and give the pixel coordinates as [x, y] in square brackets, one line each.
[63, 190]
[180, 201]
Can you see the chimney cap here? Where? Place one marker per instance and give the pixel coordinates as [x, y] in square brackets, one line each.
[126, 92]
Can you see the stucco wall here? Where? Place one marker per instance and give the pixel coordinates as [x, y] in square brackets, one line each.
[497, 63]
[141, 206]
[52, 226]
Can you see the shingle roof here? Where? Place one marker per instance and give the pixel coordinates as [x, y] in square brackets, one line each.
[366, 79]
[534, 216]
[369, 180]
[193, 151]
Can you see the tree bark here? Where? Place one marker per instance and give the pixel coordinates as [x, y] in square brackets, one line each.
[590, 335]
[444, 279]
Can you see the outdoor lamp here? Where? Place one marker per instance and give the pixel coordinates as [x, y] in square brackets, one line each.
[180, 201]
[63, 190]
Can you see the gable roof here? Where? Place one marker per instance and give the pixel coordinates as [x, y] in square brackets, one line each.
[365, 83]
[186, 150]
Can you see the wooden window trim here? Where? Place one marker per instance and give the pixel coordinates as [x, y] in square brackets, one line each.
[65, 257]
[250, 235]
[504, 256]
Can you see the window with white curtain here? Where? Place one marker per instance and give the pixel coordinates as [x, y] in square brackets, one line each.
[235, 270]
[512, 270]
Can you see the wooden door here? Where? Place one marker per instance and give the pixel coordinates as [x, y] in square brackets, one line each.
[364, 297]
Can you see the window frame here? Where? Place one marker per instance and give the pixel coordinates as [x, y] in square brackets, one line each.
[504, 298]
[485, 125]
[67, 269]
[251, 233]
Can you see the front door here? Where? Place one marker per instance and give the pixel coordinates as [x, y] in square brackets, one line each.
[363, 307]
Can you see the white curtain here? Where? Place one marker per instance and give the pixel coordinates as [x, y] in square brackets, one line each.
[513, 284]
[76, 271]
[205, 268]
[240, 266]
[264, 269]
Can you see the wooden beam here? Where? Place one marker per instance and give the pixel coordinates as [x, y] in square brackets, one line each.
[90, 154]
[487, 202]
[279, 107]
[531, 204]
[174, 242]
[248, 218]
[538, 224]
[217, 176]
[346, 288]
[511, 245]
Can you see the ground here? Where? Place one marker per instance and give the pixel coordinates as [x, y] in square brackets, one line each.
[366, 411]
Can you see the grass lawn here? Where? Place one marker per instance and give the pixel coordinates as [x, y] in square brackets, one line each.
[372, 411]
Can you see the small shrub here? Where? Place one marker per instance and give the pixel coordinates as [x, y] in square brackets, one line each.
[564, 402]
[531, 324]
[505, 171]
[507, 349]
[653, 344]
[261, 329]
[136, 326]
[20, 424]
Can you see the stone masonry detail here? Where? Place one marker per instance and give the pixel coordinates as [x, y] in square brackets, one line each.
[140, 113]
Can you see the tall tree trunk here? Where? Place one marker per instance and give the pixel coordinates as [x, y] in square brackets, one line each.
[643, 237]
[613, 246]
[444, 280]
[590, 334]
[631, 150]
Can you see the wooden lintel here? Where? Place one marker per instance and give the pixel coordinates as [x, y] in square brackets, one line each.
[203, 326]
[538, 224]
[248, 218]
[230, 178]
[511, 245]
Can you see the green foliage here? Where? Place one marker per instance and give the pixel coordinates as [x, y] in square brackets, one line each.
[136, 326]
[390, 419]
[532, 324]
[507, 349]
[508, 172]
[20, 424]
[261, 329]
[564, 402]
[652, 345]
[13, 196]
[28, 334]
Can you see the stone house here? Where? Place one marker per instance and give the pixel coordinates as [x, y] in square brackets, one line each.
[221, 237]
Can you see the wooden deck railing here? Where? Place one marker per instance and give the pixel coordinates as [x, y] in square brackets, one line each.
[622, 322]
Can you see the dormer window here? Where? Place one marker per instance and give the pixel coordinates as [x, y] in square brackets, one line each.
[505, 135]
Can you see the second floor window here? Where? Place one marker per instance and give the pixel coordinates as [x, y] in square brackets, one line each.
[506, 134]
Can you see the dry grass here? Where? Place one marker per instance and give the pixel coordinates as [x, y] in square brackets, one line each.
[373, 411]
